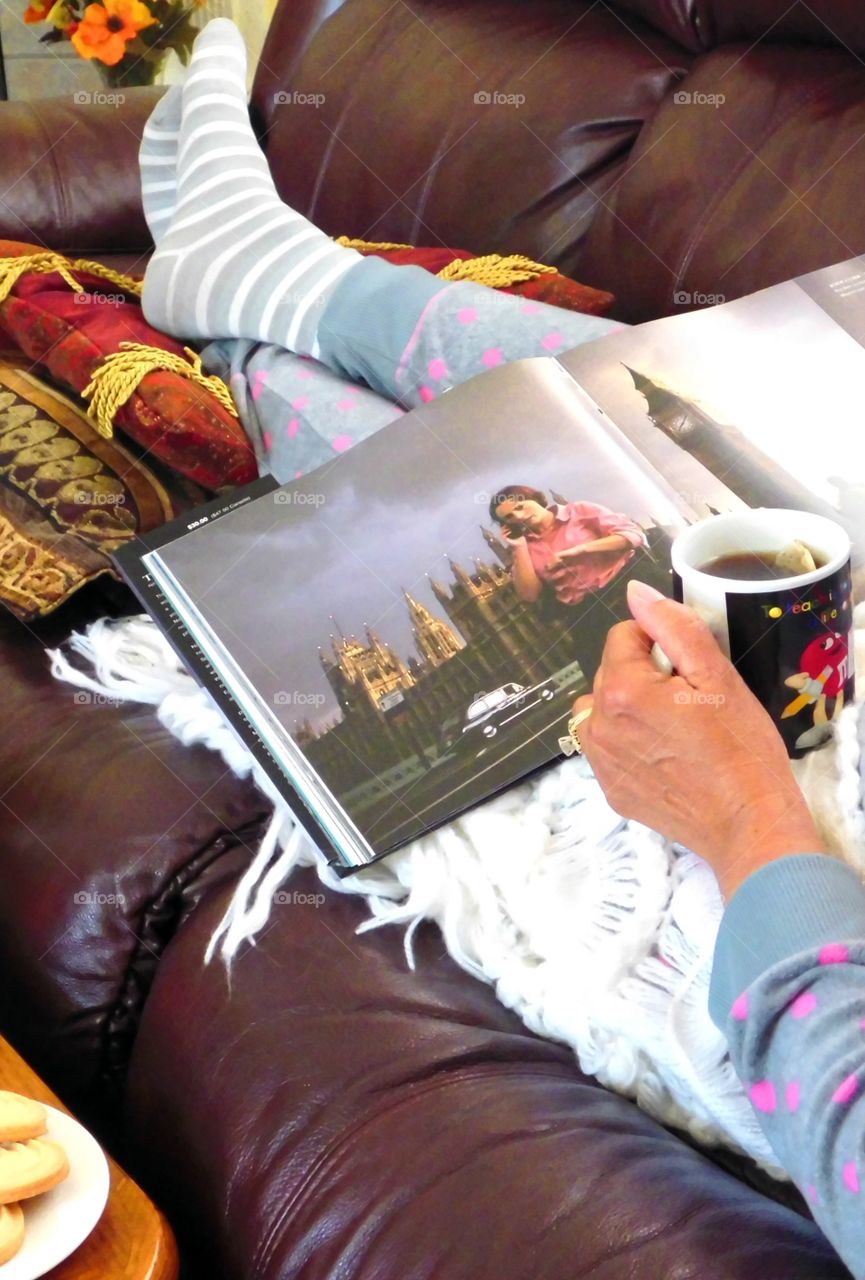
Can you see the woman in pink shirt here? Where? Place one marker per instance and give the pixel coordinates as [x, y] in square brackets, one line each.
[579, 553]
[576, 547]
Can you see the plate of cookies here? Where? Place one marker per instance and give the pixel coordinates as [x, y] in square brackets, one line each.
[53, 1186]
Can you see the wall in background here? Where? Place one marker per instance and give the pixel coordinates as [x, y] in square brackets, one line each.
[251, 16]
[35, 70]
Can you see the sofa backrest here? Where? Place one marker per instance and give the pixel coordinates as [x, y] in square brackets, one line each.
[700, 25]
[675, 151]
[409, 142]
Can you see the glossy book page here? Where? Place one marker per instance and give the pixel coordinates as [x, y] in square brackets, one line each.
[752, 403]
[417, 642]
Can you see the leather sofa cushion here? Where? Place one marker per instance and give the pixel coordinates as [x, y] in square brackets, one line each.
[721, 200]
[330, 1113]
[111, 831]
[291, 29]
[69, 174]
[400, 150]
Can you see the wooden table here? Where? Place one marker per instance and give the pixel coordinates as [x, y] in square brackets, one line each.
[132, 1240]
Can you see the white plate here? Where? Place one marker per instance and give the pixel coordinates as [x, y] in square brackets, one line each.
[57, 1222]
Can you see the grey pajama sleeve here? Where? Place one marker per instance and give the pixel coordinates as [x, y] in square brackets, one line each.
[788, 991]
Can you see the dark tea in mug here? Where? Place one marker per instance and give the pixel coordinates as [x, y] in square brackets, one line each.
[750, 566]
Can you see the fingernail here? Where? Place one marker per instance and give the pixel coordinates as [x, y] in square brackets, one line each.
[642, 593]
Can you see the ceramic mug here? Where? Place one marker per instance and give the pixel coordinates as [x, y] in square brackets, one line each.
[789, 638]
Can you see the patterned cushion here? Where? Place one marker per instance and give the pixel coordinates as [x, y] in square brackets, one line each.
[68, 496]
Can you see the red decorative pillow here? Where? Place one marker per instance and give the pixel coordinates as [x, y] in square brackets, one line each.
[508, 274]
[177, 419]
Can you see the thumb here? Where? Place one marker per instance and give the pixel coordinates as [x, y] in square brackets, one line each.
[680, 632]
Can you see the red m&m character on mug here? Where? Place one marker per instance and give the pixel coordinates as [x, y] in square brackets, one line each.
[824, 669]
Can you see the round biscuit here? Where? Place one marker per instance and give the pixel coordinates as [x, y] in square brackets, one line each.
[11, 1231]
[29, 1168]
[20, 1118]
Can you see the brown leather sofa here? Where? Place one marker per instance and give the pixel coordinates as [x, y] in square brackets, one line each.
[331, 1114]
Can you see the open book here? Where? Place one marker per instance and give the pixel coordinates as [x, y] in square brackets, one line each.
[398, 635]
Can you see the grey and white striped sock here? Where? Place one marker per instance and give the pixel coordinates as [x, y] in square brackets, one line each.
[235, 261]
[157, 161]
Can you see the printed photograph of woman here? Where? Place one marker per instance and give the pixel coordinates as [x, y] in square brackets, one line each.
[569, 554]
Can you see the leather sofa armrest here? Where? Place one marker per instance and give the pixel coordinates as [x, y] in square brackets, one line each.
[327, 1112]
[69, 171]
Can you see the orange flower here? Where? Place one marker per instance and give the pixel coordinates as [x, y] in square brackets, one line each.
[38, 12]
[106, 29]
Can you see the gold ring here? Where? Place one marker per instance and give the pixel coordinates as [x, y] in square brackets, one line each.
[571, 745]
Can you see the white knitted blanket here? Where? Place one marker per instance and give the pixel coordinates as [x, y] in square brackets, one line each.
[595, 930]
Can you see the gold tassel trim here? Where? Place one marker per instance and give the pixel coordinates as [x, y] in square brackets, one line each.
[117, 377]
[127, 283]
[495, 271]
[370, 246]
[12, 269]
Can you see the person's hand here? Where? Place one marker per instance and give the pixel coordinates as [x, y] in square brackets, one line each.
[558, 562]
[693, 755]
[511, 535]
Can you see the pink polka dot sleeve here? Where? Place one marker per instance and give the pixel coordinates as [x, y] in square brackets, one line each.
[788, 990]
